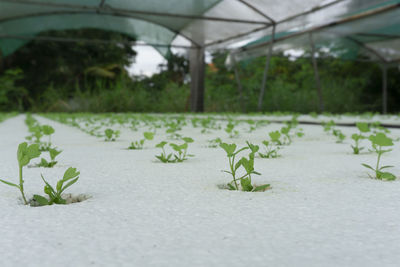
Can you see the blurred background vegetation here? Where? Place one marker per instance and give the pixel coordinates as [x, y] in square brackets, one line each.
[56, 76]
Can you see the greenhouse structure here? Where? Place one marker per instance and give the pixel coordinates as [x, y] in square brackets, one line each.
[365, 30]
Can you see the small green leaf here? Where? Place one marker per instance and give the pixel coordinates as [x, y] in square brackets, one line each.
[8, 183]
[253, 148]
[261, 188]
[275, 136]
[246, 185]
[231, 187]
[69, 184]
[175, 147]
[47, 129]
[148, 135]
[367, 166]
[229, 148]
[387, 176]
[362, 127]
[381, 139]
[161, 144]
[70, 173]
[187, 140]
[42, 201]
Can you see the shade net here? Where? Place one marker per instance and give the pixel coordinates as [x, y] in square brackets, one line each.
[241, 26]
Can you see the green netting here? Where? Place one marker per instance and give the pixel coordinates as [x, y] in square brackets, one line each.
[374, 36]
[216, 24]
[148, 32]
[29, 19]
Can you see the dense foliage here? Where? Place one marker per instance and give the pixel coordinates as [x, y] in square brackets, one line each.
[57, 76]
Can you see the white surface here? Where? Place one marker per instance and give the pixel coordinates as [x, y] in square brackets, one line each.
[323, 210]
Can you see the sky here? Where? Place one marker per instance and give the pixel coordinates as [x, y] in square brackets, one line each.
[147, 61]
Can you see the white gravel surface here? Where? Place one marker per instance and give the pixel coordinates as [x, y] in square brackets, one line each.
[322, 210]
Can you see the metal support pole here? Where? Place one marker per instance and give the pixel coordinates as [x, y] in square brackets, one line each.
[197, 71]
[384, 89]
[265, 76]
[316, 75]
[239, 87]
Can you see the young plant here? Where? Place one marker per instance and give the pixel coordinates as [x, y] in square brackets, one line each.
[53, 154]
[380, 140]
[363, 128]
[139, 144]
[70, 177]
[247, 163]
[111, 135]
[181, 150]
[214, 142]
[173, 129]
[339, 136]
[271, 151]
[286, 133]
[164, 157]
[276, 138]
[230, 130]
[328, 125]
[252, 125]
[48, 131]
[36, 134]
[25, 154]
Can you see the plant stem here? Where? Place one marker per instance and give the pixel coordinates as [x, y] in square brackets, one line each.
[231, 162]
[21, 185]
[379, 158]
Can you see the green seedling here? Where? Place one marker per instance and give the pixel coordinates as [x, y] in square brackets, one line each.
[276, 138]
[376, 126]
[139, 144]
[286, 133]
[230, 130]
[25, 154]
[300, 133]
[181, 150]
[242, 182]
[271, 151]
[172, 130]
[164, 157]
[111, 135]
[252, 125]
[53, 154]
[363, 128]
[48, 131]
[380, 140]
[214, 142]
[70, 177]
[36, 134]
[328, 125]
[340, 137]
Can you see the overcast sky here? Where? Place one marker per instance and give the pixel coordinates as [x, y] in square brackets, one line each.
[147, 61]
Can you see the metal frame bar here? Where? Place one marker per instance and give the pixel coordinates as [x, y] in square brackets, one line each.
[258, 11]
[316, 74]
[265, 75]
[239, 84]
[197, 72]
[133, 11]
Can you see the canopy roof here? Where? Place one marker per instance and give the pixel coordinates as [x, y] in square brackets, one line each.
[213, 24]
[368, 30]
